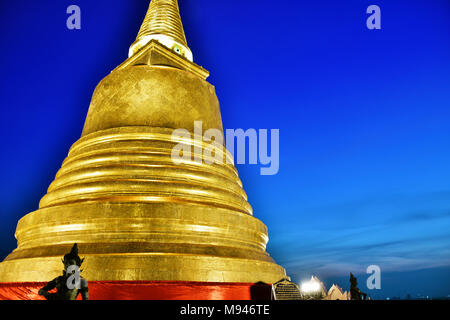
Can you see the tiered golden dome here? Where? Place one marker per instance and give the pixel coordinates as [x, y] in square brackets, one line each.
[135, 213]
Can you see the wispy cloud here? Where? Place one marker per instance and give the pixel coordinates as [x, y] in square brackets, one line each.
[414, 234]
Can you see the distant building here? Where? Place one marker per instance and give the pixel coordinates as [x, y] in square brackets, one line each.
[336, 293]
[313, 289]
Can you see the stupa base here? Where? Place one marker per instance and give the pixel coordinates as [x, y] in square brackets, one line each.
[149, 290]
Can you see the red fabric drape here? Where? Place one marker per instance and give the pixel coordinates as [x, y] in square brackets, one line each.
[148, 290]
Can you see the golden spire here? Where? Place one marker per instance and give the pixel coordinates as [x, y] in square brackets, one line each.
[163, 23]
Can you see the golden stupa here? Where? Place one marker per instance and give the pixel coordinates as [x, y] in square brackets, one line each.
[135, 214]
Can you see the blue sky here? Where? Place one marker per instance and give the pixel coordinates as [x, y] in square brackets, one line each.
[364, 119]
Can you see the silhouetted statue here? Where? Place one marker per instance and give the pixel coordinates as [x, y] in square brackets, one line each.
[355, 293]
[70, 284]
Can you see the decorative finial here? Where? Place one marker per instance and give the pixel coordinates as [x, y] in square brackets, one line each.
[163, 23]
